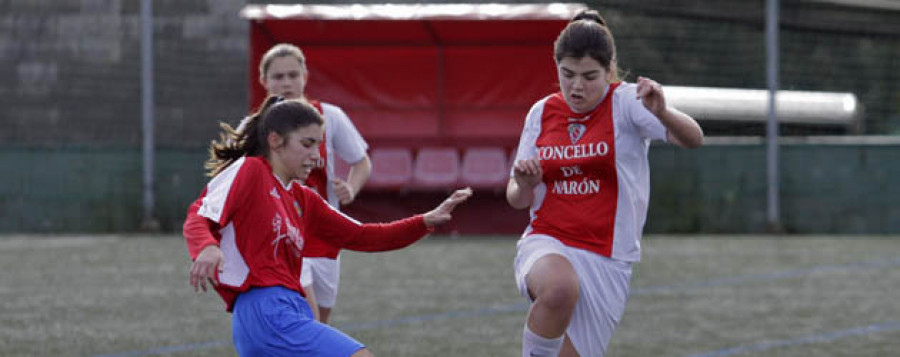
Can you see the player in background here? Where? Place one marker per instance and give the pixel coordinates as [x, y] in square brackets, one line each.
[283, 72]
[581, 167]
[258, 218]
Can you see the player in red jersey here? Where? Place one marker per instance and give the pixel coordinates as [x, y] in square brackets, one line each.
[283, 72]
[581, 167]
[257, 221]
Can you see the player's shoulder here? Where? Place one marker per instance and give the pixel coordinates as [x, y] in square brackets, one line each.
[550, 98]
[625, 90]
[246, 169]
[243, 172]
[232, 170]
[330, 110]
[539, 106]
[252, 163]
[328, 106]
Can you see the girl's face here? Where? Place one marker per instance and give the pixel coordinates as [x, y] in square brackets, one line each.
[582, 81]
[286, 77]
[298, 152]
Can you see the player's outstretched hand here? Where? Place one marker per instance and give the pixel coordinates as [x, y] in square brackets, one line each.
[442, 213]
[205, 266]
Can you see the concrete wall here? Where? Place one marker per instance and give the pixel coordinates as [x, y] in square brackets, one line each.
[71, 70]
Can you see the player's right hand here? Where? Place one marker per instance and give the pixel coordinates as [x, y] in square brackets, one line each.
[442, 213]
[205, 267]
[527, 173]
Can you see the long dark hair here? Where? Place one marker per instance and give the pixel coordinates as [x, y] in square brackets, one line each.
[275, 115]
[587, 35]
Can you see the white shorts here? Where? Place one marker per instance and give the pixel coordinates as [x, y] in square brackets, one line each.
[604, 284]
[324, 275]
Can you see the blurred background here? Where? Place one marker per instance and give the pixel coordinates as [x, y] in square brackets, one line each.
[72, 137]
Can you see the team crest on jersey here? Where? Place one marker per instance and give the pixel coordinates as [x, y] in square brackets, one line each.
[298, 209]
[576, 131]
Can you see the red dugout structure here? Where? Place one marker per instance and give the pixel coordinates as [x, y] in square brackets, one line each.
[424, 78]
[419, 74]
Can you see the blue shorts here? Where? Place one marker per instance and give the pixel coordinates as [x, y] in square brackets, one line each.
[276, 321]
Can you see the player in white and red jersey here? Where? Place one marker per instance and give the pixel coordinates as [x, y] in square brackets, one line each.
[283, 72]
[251, 244]
[581, 167]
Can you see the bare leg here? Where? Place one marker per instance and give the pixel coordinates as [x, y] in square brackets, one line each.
[324, 313]
[553, 285]
[568, 350]
[363, 353]
[311, 299]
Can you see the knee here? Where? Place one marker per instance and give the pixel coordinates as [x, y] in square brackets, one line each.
[553, 284]
[363, 353]
[559, 296]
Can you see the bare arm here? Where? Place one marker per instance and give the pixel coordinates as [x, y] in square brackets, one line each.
[682, 129]
[359, 174]
[520, 189]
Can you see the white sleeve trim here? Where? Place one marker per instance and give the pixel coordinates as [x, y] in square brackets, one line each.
[530, 131]
[644, 122]
[217, 192]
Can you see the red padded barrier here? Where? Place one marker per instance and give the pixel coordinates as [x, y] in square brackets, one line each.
[436, 168]
[484, 167]
[391, 168]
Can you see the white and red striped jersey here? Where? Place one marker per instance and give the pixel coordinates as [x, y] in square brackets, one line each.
[341, 140]
[596, 182]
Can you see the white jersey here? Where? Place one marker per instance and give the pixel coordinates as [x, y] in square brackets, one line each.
[341, 138]
[596, 183]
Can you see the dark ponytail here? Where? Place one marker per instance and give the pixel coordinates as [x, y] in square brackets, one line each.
[234, 144]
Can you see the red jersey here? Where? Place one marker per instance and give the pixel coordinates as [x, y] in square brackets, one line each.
[577, 156]
[261, 227]
[341, 138]
[596, 182]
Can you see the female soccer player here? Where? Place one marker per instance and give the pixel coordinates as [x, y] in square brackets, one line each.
[581, 167]
[283, 72]
[258, 218]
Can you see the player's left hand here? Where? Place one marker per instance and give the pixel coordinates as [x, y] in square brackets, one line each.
[343, 190]
[651, 95]
[442, 213]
